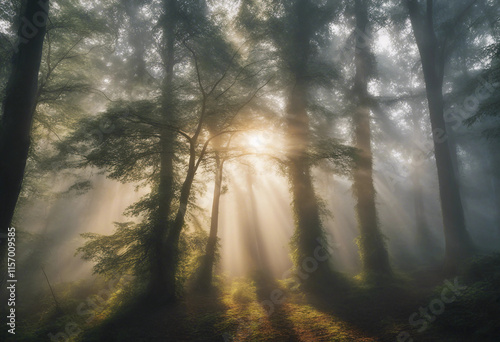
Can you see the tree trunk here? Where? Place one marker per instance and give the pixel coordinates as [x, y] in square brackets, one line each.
[18, 108]
[172, 242]
[174, 232]
[205, 273]
[254, 236]
[374, 257]
[493, 160]
[137, 33]
[422, 233]
[458, 242]
[308, 227]
[158, 272]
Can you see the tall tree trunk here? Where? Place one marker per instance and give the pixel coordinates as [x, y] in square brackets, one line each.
[423, 235]
[493, 160]
[453, 139]
[458, 242]
[137, 33]
[308, 226]
[205, 273]
[158, 271]
[18, 108]
[174, 233]
[373, 251]
[157, 279]
[254, 233]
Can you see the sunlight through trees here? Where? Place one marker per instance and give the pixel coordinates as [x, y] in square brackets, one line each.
[216, 170]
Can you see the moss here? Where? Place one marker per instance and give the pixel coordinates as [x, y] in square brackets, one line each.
[243, 292]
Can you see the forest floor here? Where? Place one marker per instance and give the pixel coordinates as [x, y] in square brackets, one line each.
[241, 312]
[250, 310]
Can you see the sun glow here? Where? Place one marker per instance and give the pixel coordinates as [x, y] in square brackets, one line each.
[256, 141]
[259, 141]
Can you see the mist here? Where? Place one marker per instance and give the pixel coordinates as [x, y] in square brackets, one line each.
[250, 171]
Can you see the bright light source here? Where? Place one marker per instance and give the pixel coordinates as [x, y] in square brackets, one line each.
[257, 141]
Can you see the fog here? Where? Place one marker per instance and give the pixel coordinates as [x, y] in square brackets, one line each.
[212, 148]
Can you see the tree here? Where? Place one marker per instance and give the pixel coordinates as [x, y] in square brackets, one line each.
[305, 205]
[204, 278]
[162, 141]
[223, 154]
[210, 93]
[433, 58]
[159, 277]
[373, 251]
[298, 30]
[18, 108]
[423, 234]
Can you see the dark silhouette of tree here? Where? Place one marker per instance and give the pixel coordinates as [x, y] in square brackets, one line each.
[433, 57]
[18, 108]
[159, 280]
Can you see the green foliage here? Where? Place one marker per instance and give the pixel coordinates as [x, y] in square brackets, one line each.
[339, 158]
[123, 141]
[243, 291]
[122, 252]
[489, 109]
[84, 304]
[192, 246]
[126, 251]
[75, 36]
[475, 312]
[276, 22]
[299, 238]
[131, 140]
